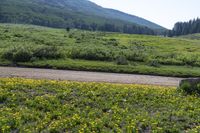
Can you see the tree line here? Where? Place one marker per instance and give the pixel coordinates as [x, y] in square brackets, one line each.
[111, 27]
[184, 28]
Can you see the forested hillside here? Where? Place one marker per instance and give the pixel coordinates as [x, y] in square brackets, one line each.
[80, 14]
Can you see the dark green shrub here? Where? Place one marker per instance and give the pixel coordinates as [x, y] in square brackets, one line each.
[34, 59]
[6, 31]
[48, 52]
[25, 54]
[167, 59]
[154, 63]
[121, 60]
[187, 88]
[198, 87]
[18, 35]
[112, 41]
[136, 56]
[22, 55]
[70, 35]
[78, 40]
[190, 87]
[9, 53]
[68, 29]
[189, 60]
[18, 54]
[91, 53]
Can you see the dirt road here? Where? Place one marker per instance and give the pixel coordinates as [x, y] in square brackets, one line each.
[87, 76]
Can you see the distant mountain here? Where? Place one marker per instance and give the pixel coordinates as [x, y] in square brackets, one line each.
[81, 14]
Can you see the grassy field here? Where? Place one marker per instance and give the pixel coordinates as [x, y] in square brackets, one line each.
[28, 105]
[192, 36]
[34, 46]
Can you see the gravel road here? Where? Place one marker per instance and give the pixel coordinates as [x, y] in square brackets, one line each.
[87, 76]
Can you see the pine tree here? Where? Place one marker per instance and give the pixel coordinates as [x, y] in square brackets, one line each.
[184, 28]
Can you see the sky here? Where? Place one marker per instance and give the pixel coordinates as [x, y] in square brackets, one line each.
[163, 12]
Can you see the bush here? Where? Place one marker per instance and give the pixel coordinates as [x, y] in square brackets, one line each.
[25, 54]
[91, 53]
[9, 53]
[190, 86]
[18, 54]
[154, 63]
[68, 29]
[48, 52]
[22, 55]
[189, 60]
[112, 42]
[186, 87]
[121, 60]
[78, 40]
[136, 56]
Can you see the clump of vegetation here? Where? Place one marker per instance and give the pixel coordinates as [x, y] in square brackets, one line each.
[68, 29]
[48, 52]
[121, 60]
[26, 53]
[154, 63]
[190, 86]
[189, 60]
[135, 55]
[91, 53]
[18, 54]
[112, 42]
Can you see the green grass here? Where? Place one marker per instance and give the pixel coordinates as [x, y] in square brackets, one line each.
[136, 68]
[99, 51]
[57, 106]
[192, 36]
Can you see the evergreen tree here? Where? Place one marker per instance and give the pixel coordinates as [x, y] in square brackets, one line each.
[184, 28]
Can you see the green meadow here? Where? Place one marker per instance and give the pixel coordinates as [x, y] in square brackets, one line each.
[35, 46]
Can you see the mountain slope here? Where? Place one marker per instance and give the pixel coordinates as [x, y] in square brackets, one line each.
[90, 7]
[81, 14]
[133, 19]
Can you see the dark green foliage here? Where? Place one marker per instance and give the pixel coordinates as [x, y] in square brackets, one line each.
[91, 53]
[18, 54]
[48, 52]
[68, 29]
[22, 55]
[26, 53]
[189, 60]
[121, 60]
[154, 63]
[190, 86]
[187, 88]
[112, 42]
[8, 54]
[184, 28]
[136, 56]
